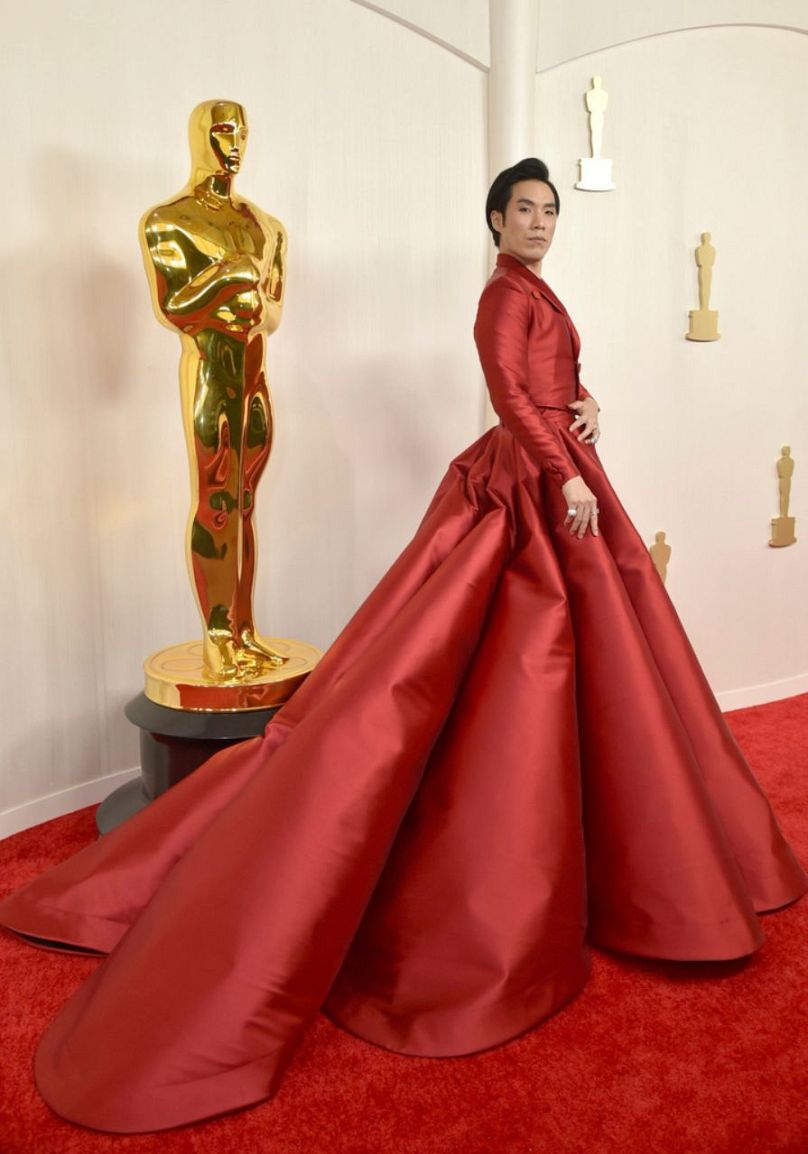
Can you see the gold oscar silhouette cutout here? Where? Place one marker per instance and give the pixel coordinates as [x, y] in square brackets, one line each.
[661, 554]
[217, 267]
[783, 526]
[704, 320]
[596, 170]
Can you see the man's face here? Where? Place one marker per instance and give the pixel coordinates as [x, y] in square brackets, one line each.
[526, 230]
[228, 136]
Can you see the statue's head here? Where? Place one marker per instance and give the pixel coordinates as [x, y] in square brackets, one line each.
[217, 133]
[786, 450]
[596, 82]
[660, 538]
[705, 238]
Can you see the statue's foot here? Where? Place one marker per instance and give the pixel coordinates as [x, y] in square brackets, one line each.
[255, 647]
[252, 665]
[220, 657]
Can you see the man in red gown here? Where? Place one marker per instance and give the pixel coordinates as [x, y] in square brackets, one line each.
[509, 753]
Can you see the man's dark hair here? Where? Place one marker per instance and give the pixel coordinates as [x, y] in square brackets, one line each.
[531, 168]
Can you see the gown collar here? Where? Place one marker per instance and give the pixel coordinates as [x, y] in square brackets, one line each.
[511, 264]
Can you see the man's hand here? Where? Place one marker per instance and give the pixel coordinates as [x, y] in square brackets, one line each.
[586, 419]
[582, 506]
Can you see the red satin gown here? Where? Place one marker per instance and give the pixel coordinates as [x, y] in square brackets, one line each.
[509, 753]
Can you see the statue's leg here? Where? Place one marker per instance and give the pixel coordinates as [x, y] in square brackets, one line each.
[596, 133]
[213, 536]
[257, 443]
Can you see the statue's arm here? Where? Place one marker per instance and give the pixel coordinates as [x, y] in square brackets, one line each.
[213, 285]
[275, 284]
[179, 292]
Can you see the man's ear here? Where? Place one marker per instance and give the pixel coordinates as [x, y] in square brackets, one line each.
[497, 220]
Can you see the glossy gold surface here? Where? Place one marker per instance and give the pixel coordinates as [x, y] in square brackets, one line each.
[177, 677]
[216, 267]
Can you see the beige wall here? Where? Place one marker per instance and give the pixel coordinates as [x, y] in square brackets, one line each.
[369, 142]
[571, 29]
[706, 131]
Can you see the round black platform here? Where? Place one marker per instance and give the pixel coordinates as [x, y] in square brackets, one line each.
[173, 743]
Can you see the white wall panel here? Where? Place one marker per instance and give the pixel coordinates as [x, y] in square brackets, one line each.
[706, 131]
[569, 29]
[368, 142]
[459, 24]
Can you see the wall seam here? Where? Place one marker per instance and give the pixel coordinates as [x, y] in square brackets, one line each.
[656, 35]
[411, 27]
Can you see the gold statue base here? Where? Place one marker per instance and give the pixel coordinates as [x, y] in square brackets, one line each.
[176, 677]
[782, 532]
[703, 325]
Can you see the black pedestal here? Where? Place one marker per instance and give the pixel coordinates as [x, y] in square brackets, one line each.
[173, 743]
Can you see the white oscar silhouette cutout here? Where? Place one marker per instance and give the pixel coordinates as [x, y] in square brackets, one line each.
[596, 170]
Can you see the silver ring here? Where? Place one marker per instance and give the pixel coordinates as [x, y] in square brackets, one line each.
[571, 511]
[595, 511]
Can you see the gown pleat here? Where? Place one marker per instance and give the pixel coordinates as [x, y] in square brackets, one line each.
[510, 752]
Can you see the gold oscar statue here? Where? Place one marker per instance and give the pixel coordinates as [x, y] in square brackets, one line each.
[660, 555]
[217, 268]
[704, 320]
[783, 526]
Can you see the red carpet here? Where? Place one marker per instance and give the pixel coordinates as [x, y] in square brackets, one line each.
[653, 1058]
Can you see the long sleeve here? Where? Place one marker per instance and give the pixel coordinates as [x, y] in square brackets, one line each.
[500, 332]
